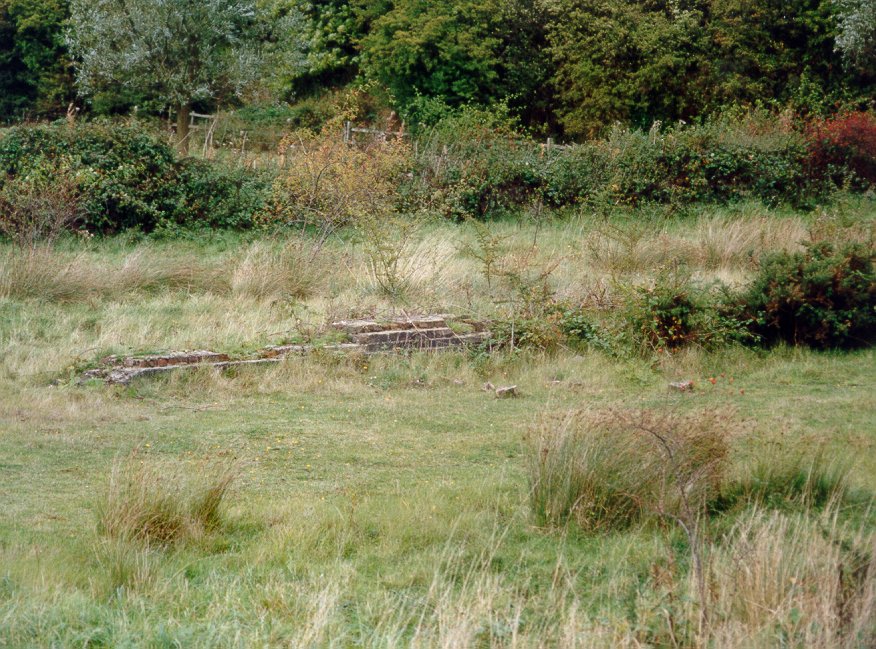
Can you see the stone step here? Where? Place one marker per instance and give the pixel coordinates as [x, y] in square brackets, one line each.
[355, 327]
[175, 358]
[402, 336]
[124, 371]
[124, 375]
[439, 342]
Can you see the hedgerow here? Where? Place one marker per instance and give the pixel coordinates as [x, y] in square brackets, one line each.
[130, 178]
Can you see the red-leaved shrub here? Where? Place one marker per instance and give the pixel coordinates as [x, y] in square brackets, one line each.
[845, 143]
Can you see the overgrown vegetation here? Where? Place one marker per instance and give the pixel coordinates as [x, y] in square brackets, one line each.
[124, 177]
[680, 300]
[326, 501]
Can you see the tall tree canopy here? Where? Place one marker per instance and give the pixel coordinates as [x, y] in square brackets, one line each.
[857, 32]
[35, 72]
[643, 60]
[575, 65]
[178, 51]
[439, 49]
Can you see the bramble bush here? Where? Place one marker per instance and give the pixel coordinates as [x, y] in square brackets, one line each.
[130, 178]
[474, 163]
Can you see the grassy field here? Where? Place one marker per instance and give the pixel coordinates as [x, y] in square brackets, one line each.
[385, 501]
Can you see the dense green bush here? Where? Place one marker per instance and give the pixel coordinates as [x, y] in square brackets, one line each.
[674, 312]
[720, 161]
[132, 179]
[823, 297]
[475, 164]
[472, 162]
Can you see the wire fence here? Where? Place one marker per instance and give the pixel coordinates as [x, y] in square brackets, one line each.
[227, 137]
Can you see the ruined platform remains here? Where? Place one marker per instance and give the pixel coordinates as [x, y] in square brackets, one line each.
[409, 333]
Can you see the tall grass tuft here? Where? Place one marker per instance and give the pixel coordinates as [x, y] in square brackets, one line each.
[162, 504]
[43, 272]
[609, 470]
[291, 270]
[789, 477]
[40, 272]
[796, 581]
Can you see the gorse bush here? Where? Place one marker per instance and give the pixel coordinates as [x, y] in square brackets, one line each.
[823, 297]
[674, 312]
[129, 178]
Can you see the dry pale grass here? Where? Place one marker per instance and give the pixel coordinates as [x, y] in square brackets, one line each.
[42, 273]
[714, 243]
[799, 580]
[732, 243]
[267, 270]
[48, 274]
[146, 269]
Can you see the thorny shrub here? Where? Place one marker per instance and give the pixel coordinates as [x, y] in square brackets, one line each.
[674, 312]
[823, 297]
[326, 184]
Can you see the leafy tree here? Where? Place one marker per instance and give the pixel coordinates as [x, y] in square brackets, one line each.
[636, 61]
[460, 52]
[319, 40]
[765, 50]
[178, 52]
[524, 62]
[446, 50]
[35, 71]
[625, 61]
[857, 32]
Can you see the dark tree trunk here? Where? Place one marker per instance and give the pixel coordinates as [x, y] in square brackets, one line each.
[182, 128]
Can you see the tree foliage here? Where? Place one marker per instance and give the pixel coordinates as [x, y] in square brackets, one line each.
[35, 72]
[445, 50]
[857, 32]
[639, 61]
[179, 51]
[559, 65]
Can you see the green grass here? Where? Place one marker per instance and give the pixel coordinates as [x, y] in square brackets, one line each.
[380, 501]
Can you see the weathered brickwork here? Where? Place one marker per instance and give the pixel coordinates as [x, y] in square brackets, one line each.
[425, 333]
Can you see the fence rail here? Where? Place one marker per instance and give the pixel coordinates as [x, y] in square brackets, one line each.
[219, 134]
